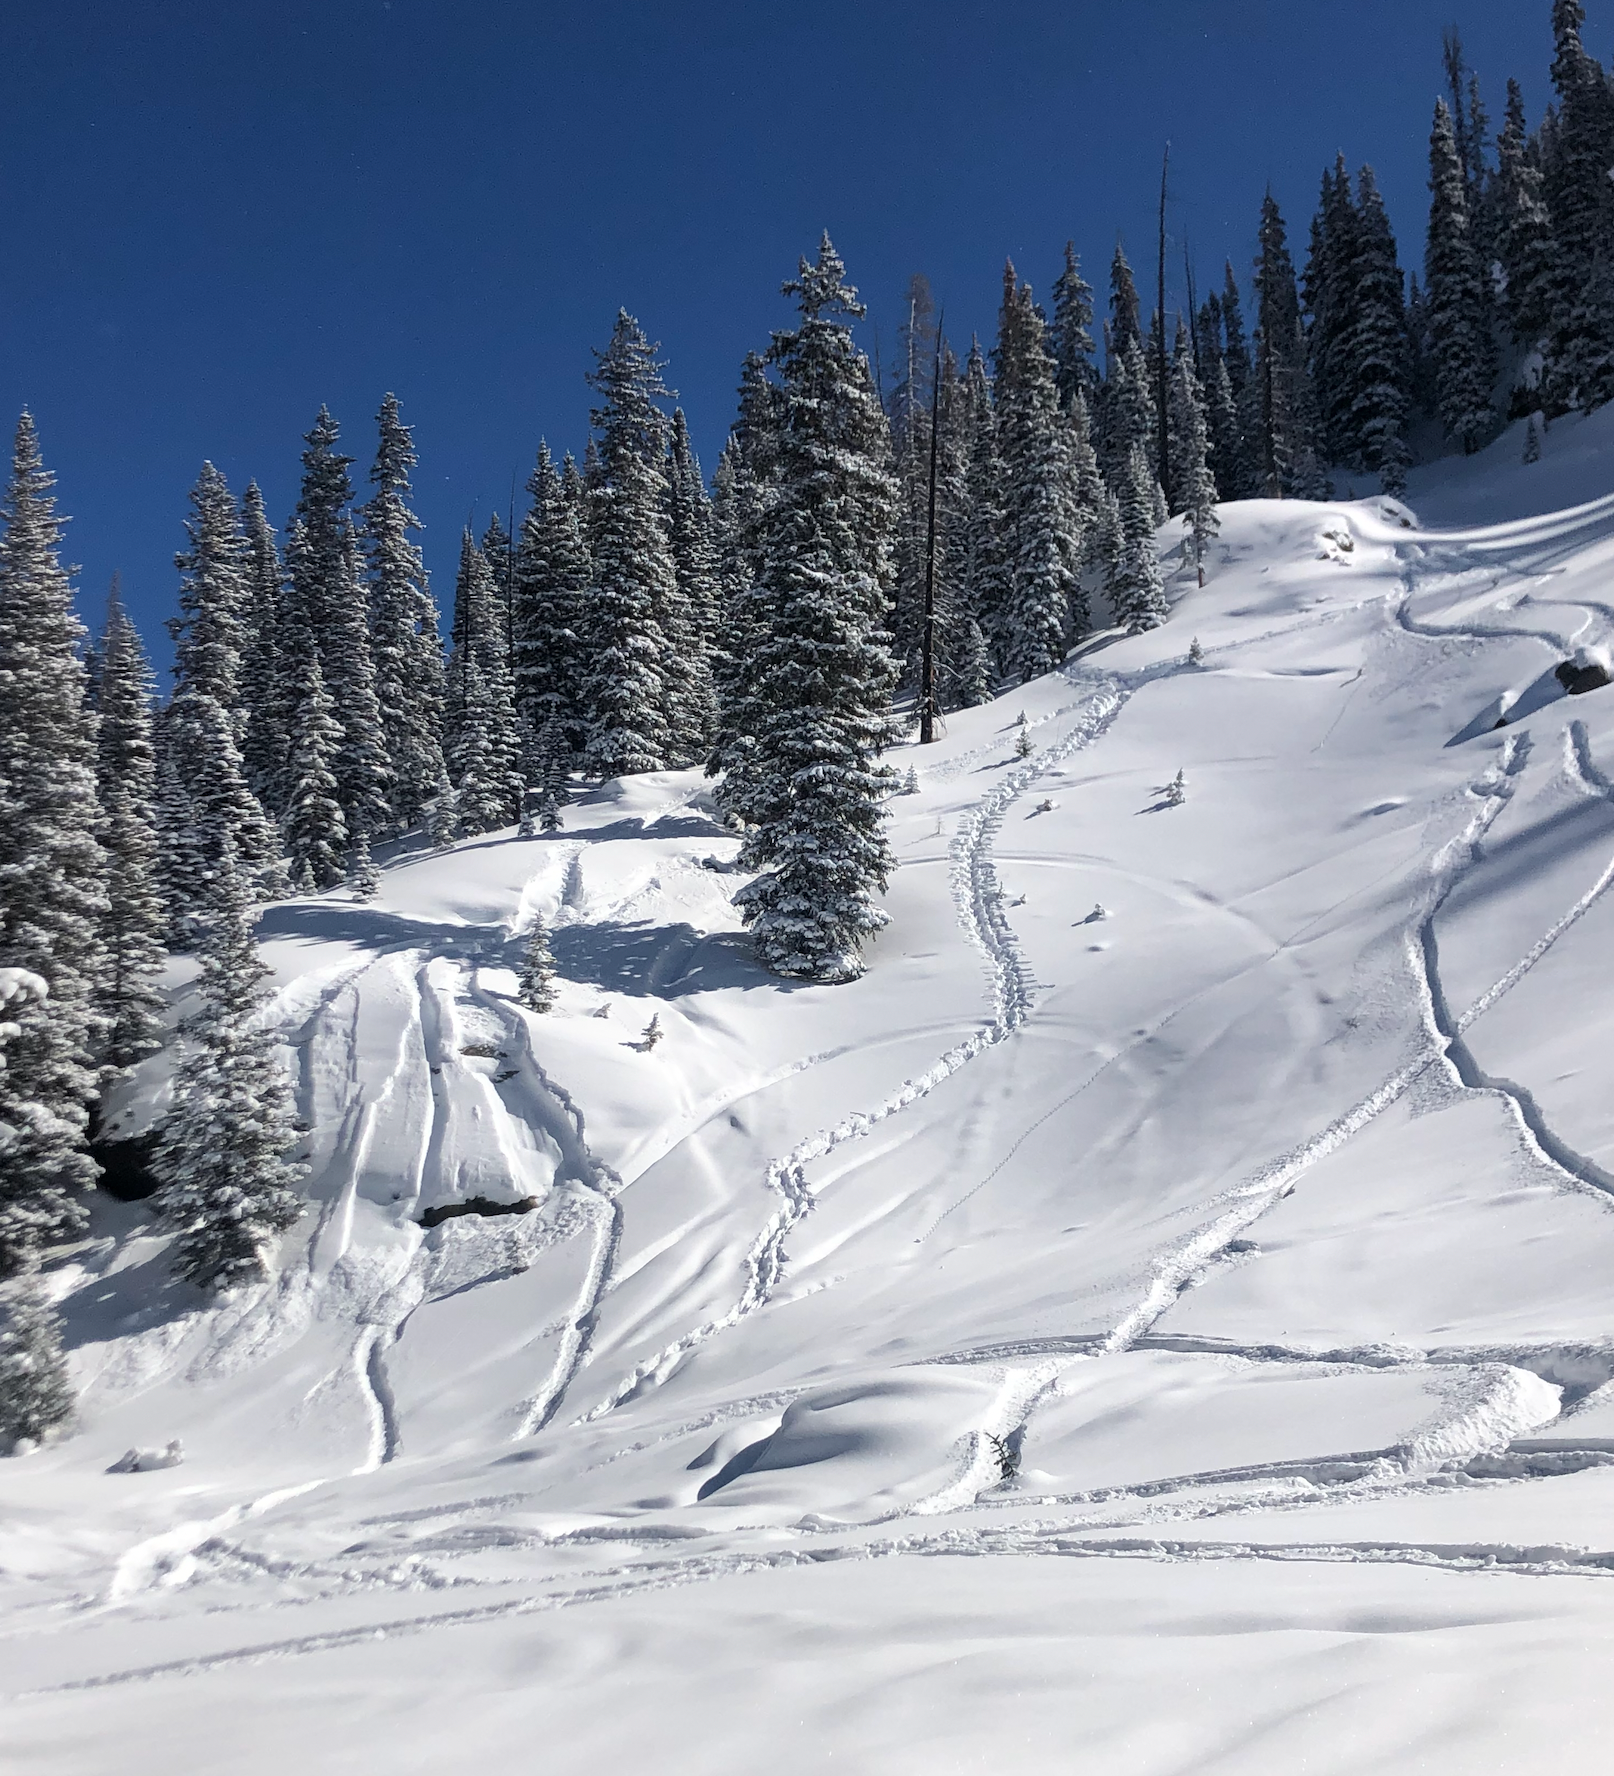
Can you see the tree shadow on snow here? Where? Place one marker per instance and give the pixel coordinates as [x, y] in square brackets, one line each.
[656, 961]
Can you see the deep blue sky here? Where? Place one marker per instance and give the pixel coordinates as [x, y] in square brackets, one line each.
[217, 215]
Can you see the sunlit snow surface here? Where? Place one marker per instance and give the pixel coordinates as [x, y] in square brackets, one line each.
[1262, 1230]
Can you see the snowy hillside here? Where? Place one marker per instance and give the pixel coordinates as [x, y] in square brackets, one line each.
[1160, 1319]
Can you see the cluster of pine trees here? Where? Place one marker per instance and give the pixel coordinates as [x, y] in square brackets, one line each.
[947, 537]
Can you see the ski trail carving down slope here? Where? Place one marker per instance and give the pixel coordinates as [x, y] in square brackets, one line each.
[978, 900]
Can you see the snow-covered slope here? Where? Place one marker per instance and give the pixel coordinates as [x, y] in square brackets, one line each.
[1172, 1339]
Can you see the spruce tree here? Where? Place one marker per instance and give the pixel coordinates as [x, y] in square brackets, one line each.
[1191, 478]
[484, 746]
[1045, 536]
[332, 613]
[1329, 294]
[1071, 333]
[746, 485]
[1580, 198]
[206, 721]
[52, 872]
[1458, 320]
[537, 989]
[407, 649]
[316, 829]
[687, 618]
[633, 573]
[1137, 591]
[1378, 347]
[986, 566]
[225, 1184]
[498, 550]
[262, 686]
[126, 785]
[36, 1393]
[1284, 435]
[551, 597]
[1524, 231]
[823, 673]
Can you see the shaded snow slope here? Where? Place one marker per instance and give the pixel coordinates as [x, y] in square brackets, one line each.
[1176, 1337]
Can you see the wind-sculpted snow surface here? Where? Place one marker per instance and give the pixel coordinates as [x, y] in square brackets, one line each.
[1159, 1319]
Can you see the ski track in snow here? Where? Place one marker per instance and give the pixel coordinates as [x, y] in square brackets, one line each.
[978, 900]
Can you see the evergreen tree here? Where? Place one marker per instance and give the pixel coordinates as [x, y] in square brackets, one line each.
[1044, 535]
[1459, 330]
[1532, 443]
[1378, 346]
[126, 786]
[823, 675]
[225, 1184]
[1329, 294]
[1524, 231]
[206, 719]
[1580, 199]
[181, 879]
[986, 567]
[1284, 434]
[316, 829]
[634, 577]
[551, 599]
[484, 740]
[1071, 333]
[1126, 312]
[537, 990]
[1138, 592]
[407, 649]
[36, 1393]
[549, 770]
[262, 687]
[1191, 477]
[52, 872]
[1221, 415]
[332, 611]
[688, 613]
[498, 550]
[746, 484]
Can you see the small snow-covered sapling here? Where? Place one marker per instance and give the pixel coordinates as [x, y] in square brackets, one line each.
[1532, 442]
[1176, 791]
[1196, 654]
[652, 1034]
[1022, 746]
[910, 783]
[1100, 911]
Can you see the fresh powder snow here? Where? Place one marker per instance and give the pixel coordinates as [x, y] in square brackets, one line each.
[1157, 1320]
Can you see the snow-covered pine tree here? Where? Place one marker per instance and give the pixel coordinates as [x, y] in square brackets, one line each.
[633, 576]
[225, 1183]
[1221, 416]
[262, 692]
[551, 594]
[52, 872]
[332, 610]
[484, 735]
[36, 1393]
[1380, 368]
[1523, 230]
[1191, 477]
[205, 720]
[551, 761]
[1045, 539]
[1580, 199]
[1070, 333]
[1330, 298]
[909, 410]
[537, 989]
[406, 647]
[986, 567]
[823, 676]
[498, 550]
[1459, 330]
[126, 786]
[687, 620]
[1137, 591]
[745, 485]
[1285, 439]
[1532, 443]
[180, 880]
[316, 829]
[964, 673]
